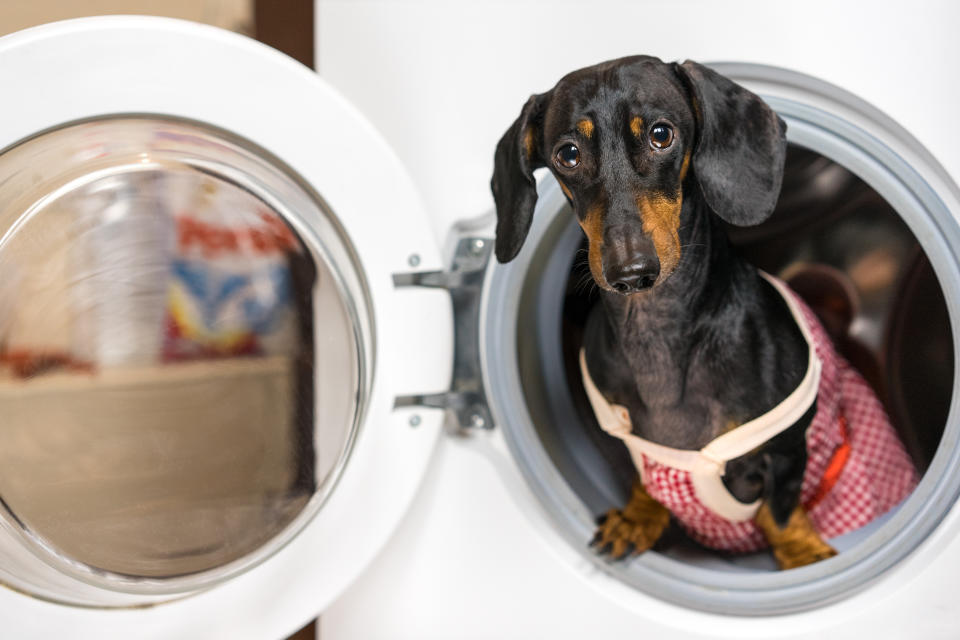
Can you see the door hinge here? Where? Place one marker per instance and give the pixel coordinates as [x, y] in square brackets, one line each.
[466, 400]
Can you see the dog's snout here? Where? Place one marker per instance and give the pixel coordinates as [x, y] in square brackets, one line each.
[630, 259]
[634, 276]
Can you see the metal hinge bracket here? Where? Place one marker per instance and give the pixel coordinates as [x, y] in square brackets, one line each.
[466, 400]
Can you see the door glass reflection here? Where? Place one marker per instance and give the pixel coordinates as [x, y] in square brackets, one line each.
[157, 379]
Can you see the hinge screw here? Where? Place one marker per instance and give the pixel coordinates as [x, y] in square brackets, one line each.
[415, 420]
[477, 421]
[414, 260]
[476, 247]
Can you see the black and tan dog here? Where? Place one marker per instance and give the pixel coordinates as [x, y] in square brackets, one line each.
[689, 337]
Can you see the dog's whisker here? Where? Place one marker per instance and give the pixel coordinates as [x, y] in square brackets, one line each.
[593, 288]
[583, 284]
[587, 285]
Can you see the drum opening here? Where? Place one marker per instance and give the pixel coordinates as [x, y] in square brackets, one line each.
[856, 263]
[864, 227]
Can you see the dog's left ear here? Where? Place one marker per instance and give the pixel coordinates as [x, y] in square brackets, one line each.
[740, 146]
[514, 189]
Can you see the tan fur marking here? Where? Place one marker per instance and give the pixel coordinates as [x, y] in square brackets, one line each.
[565, 190]
[528, 143]
[798, 543]
[661, 221]
[592, 225]
[636, 126]
[685, 166]
[585, 127]
[633, 529]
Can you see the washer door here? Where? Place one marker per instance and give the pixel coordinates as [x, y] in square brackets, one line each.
[200, 338]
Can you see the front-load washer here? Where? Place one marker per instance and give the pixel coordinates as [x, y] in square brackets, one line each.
[213, 482]
[202, 341]
[495, 543]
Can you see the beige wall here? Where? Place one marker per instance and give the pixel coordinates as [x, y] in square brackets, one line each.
[236, 15]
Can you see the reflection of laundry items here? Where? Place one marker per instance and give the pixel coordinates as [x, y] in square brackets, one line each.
[270, 236]
[120, 263]
[38, 288]
[230, 286]
[9, 286]
[227, 312]
[38, 291]
[35, 316]
[260, 297]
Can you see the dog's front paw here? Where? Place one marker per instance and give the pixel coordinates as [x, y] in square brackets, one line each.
[620, 537]
[797, 543]
[801, 556]
[633, 529]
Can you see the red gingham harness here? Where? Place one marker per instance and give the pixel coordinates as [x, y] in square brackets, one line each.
[857, 468]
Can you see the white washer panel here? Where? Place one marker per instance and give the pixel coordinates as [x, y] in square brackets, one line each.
[104, 66]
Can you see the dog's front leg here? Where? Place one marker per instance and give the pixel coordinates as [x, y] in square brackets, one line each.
[796, 543]
[782, 519]
[633, 529]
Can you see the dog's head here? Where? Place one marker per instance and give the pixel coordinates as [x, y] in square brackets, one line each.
[625, 139]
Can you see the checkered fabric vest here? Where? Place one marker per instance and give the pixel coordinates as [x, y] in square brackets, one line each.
[857, 468]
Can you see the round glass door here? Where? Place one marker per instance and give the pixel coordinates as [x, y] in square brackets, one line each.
[185, 347]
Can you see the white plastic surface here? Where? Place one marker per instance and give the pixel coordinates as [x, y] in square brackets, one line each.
[443, 79]
[476, 558]
[89, 68]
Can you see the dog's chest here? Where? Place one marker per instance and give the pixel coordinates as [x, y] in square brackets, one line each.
[683, 395]
[690, 421]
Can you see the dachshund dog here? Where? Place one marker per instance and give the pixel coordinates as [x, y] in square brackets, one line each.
[690, 342]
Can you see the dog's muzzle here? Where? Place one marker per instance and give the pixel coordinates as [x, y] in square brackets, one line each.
[634, 276]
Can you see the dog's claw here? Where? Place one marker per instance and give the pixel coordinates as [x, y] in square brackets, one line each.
[621, 537]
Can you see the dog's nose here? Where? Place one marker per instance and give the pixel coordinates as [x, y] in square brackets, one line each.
[634, 276]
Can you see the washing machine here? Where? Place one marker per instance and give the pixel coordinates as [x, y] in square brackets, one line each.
[495, 544]
[256, 363]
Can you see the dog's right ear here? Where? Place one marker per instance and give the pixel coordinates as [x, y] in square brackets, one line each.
[514, 189]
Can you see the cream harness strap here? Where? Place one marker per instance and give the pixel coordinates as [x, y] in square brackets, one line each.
[706, 466]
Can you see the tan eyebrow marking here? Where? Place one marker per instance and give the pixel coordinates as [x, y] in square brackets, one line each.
[636, 126]
[585, 127]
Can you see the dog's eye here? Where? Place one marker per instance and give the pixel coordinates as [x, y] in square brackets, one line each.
[661, 136]
[568, 156]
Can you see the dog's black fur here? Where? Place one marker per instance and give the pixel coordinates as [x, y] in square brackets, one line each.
[710, 345]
